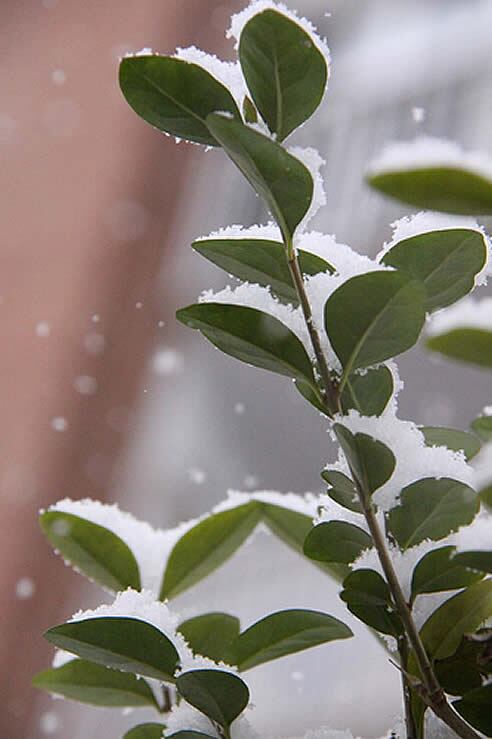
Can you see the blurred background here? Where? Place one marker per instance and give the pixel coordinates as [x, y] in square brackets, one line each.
[102, 394]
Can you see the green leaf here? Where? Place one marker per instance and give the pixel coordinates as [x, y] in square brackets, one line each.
[283, 633]
[250, 114]
[220, 695]
[448, 189]
[206, 546]
[284, 70]
[475, 708]
[252, 336]
[312, 395]
[446, 262]
[280, 179]
[480, 561]
[292, 527]
[342, 490]
[336, 541]
[368, 393]
[100, 686]
[126, 644]
[262, 262]
[431, 509]
[175, 96]
[482, 426]
[148, 731]
[374, 317]
[472, 345]
[457, 441]
[466, 668]
[368, 597]
[370, 461]
[461, 614]
[211, 634]
[94, 550]
[438, 570]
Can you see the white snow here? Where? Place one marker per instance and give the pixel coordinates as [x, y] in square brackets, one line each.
[167, 362]
[418, 114]
[228, 73]
[151, 547]
[429, 152]
[146, 51]
[427, 221]
[312, 160]
[43, 329]
[467, 313]
[85, 384]
[239, 20]
[49, 723]
[94, 343]
[269, 232]
[482, 468]
[59, 76]
[414, 460]
[318, 287]
[59, 424]
[306, 504]
[25, 588]
[197, 476]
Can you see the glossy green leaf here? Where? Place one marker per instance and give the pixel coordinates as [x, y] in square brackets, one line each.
[373, 317]
[94, 550]
[87, 682]
[312, 395]
[371, 462]
[457, 441]
[342, 490]
[148, 731]
[285, 72]
[468, 666]
[279, 178]
[220, 695]
[283, 633]
[368, 393]
[475, 707]
[431, 509]
[368, 597]
[471, 345]
[438, 570]
[448, 189]
[336, 541]
[461, 614]
[482, 426]
[211, 634]
[446, 262]
[250, 114]
[261, 262]
[175, 96]
[480, 561]
[292, 527]
[206, 546]
[126, 644]
[252, 336]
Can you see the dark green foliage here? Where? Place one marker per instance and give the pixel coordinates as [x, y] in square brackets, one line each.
[285, 72]
[174, 96]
